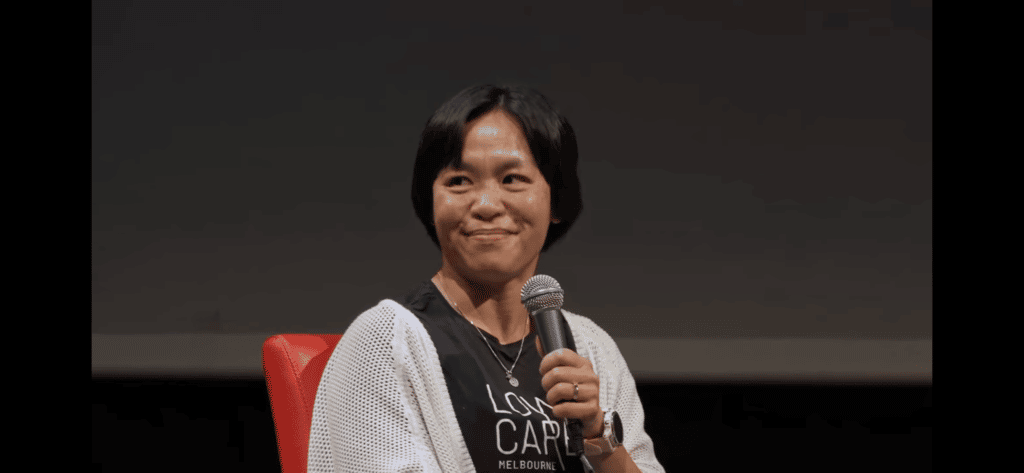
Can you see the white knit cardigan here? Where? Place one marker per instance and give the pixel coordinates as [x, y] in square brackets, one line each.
[383, 406]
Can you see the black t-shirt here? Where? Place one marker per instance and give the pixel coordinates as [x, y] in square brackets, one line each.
[506, 428]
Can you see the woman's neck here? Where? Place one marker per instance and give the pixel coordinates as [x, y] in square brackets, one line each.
[496, 308]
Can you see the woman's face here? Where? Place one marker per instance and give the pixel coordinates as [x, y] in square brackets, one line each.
[499, 190]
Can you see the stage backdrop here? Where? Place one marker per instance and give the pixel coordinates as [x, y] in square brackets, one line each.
[756, 175]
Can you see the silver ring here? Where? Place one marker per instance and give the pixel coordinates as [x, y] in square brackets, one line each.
[576, 393]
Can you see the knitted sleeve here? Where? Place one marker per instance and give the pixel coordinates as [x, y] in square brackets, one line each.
[374, 409]
[618, 388]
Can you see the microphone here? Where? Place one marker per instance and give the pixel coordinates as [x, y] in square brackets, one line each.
[543, 297]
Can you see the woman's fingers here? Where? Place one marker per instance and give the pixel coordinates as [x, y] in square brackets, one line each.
[568, 374]
[563, 392]
[563, 357]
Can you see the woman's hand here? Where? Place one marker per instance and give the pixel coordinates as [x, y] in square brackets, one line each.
[559, 370]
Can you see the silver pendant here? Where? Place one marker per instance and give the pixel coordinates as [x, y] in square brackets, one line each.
[513, 381]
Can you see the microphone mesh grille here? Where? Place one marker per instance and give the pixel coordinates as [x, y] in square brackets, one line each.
[542, 292]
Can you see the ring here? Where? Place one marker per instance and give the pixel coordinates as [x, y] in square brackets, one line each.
[576, 388]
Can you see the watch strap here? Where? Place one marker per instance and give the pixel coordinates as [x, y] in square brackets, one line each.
[603, 444]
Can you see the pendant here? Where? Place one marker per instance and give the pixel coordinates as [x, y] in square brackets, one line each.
[512, 380]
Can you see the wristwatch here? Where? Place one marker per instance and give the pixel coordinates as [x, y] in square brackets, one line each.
[609, 440]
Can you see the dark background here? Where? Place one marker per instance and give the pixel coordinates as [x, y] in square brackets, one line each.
[749, 169]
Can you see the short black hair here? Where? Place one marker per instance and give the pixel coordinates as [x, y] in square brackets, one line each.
[552, 142]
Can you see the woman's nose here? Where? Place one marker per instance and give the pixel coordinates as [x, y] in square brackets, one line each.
[488, 204]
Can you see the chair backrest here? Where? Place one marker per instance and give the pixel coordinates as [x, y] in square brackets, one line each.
[292, 366]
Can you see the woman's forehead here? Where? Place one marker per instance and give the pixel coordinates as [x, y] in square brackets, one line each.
[494, 125]
[498, 162]
[490, 145]
[486, 131]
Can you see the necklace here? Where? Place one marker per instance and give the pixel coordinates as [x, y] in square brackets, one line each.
[508, 371]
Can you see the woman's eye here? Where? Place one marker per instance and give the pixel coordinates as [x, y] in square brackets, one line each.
[462, 180]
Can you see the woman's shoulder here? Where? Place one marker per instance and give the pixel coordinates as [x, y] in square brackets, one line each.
[387, 316]
[588, 327]
[594, 343]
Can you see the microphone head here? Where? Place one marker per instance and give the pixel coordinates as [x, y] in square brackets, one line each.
[542, 292]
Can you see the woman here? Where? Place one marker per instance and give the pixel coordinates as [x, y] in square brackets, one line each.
[440, 380]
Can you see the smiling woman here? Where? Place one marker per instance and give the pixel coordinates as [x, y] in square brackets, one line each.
[439, 380]
[549, 140]
[492, 211]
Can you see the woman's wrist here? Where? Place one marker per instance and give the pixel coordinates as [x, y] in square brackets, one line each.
[617, 461]
[594, 428]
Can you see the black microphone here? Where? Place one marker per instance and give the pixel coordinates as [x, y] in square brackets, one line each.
[543, 297]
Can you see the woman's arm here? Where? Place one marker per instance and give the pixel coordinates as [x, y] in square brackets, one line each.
[365, 417]
[618, 393]
[617, 461]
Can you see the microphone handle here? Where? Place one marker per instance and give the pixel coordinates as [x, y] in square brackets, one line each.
[549, 328]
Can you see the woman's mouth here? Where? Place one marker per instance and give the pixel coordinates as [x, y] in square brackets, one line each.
[489, 235]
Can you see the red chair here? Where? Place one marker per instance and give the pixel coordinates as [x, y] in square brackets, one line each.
[292, 366]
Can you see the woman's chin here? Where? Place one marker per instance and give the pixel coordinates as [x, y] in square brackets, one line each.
[493, 272]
